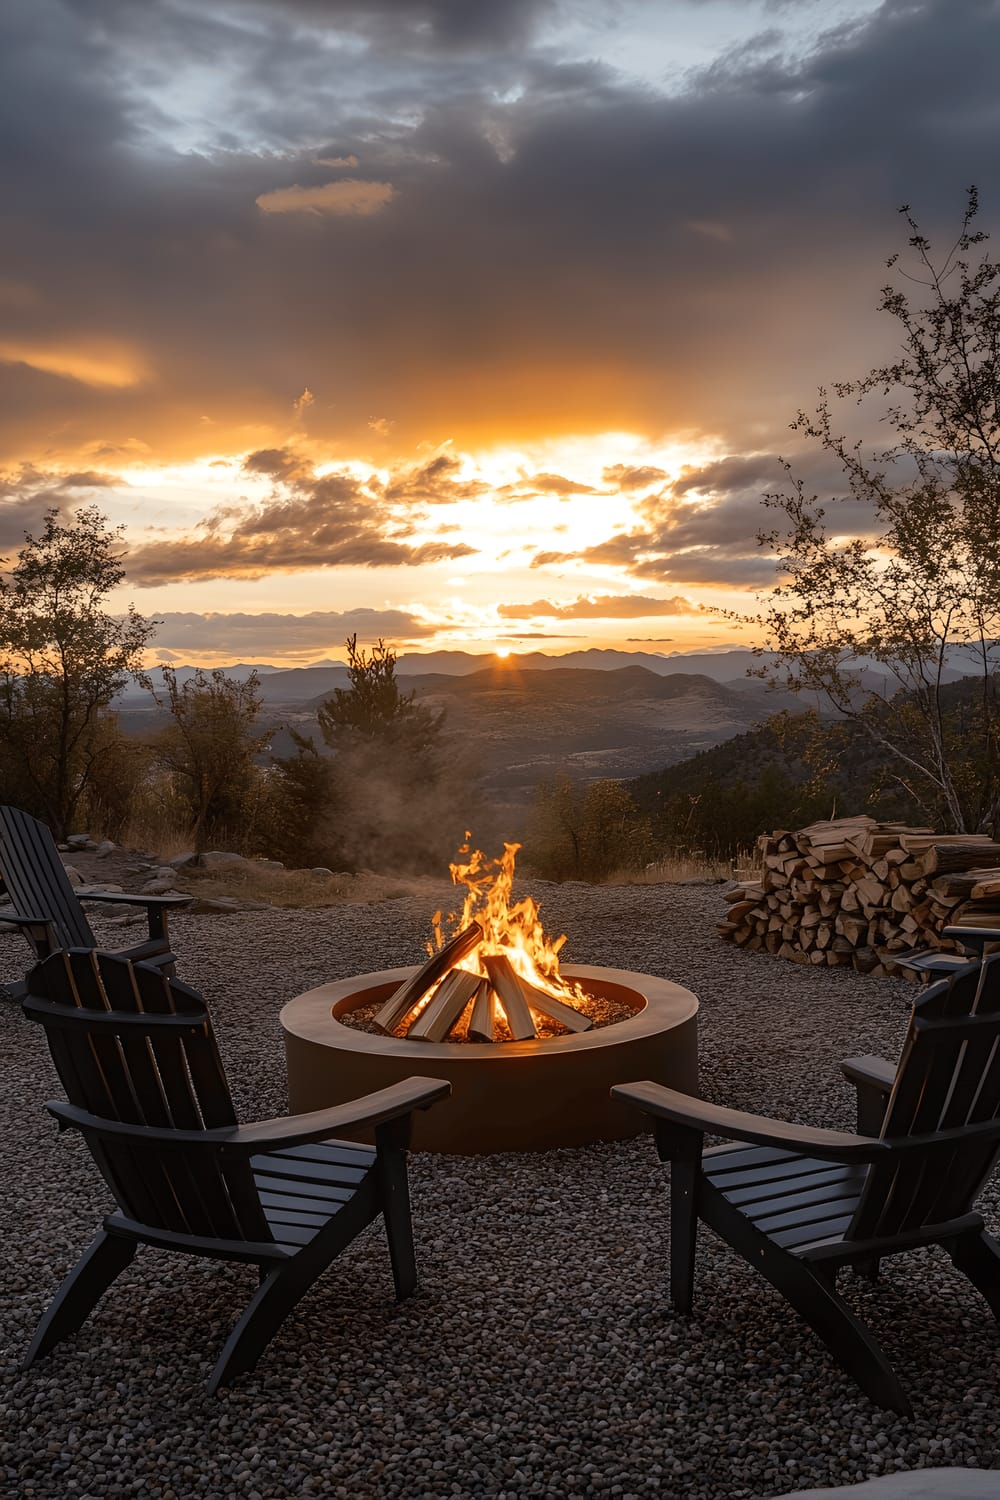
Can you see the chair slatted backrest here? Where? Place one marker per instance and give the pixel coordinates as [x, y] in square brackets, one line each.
[36, 878]
[948, 1077]
[131, 1045]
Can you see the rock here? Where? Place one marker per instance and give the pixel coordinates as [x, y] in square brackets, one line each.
[161, 885]
[188, 860]
[217, 904]
[75, 878]
[270, 866]
[97, 887]
[219, 859]
[105, 847]
[78, 840]
[321, 872]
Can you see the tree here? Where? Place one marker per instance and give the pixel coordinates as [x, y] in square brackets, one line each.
[395, 776]
[302, 807]
[208, 751]
[373, 712]
[63, 658]
[919, 594]
[587, 833]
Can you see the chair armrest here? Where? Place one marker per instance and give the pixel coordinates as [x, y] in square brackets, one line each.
[392, 1103]
[17, 919]
[873, 1078]
[869, 1072]
[157, 908]
[40, 932]
[698, 1114]
[131, 898]
[975, 938]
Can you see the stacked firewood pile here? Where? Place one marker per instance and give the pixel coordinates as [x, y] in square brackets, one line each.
[854, 891]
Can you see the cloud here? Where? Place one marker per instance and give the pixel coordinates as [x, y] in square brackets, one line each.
[710, 229]
[446, 24]
[259, 636]
[310, 521]
[555, 484]
[560, 290]
[28, 492]
[633, 477]
[603, 607]
[346, 196]
[702, 527]
[90, 366]
[439, 481]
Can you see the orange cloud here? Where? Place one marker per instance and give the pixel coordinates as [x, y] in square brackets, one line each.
[310, 521]
[348, 196]
[602, 607]
[91, 365]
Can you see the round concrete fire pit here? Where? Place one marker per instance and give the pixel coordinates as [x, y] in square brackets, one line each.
[510, 1096]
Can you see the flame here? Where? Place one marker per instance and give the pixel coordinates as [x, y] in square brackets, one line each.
[514, 930]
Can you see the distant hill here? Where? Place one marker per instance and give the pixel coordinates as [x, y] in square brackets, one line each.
[300, 685]
[721, 666]
[525, 727]
[723, 797]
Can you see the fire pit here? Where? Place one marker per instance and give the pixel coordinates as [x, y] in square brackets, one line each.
[493, 987]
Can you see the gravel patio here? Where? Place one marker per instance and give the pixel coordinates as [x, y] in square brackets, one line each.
[540, 1356]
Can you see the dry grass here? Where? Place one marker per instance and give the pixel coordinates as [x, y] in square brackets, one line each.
[298, 889]
[676, 867]
[156, 835]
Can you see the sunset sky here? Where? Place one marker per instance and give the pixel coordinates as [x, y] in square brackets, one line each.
[465, 323]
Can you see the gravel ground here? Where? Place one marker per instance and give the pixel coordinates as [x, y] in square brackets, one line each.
[540, 1356]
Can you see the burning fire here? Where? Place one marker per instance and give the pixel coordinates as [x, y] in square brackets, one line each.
[515, 931]
[497, 971]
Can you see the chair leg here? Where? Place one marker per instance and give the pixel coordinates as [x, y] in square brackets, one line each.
[813, 1297]
[684, 1175]
[101, 1262]
[681, 1147]
[395, 1194]
[263, 1315]
[285, 1285]
[978, 1257]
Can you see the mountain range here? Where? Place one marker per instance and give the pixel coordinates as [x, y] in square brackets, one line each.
[300, 684]
[279, 685]
[521, 720]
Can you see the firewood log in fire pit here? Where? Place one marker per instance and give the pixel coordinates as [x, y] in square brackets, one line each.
[483, 1021]
[519, 998]
[408, 994]
[445, 1006]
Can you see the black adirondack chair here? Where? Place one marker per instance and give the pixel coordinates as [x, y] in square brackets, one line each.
[800, 1203]
[48, 909]
[136, 1054]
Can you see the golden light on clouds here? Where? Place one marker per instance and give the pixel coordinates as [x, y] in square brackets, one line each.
[350, 196]
[96, 365]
